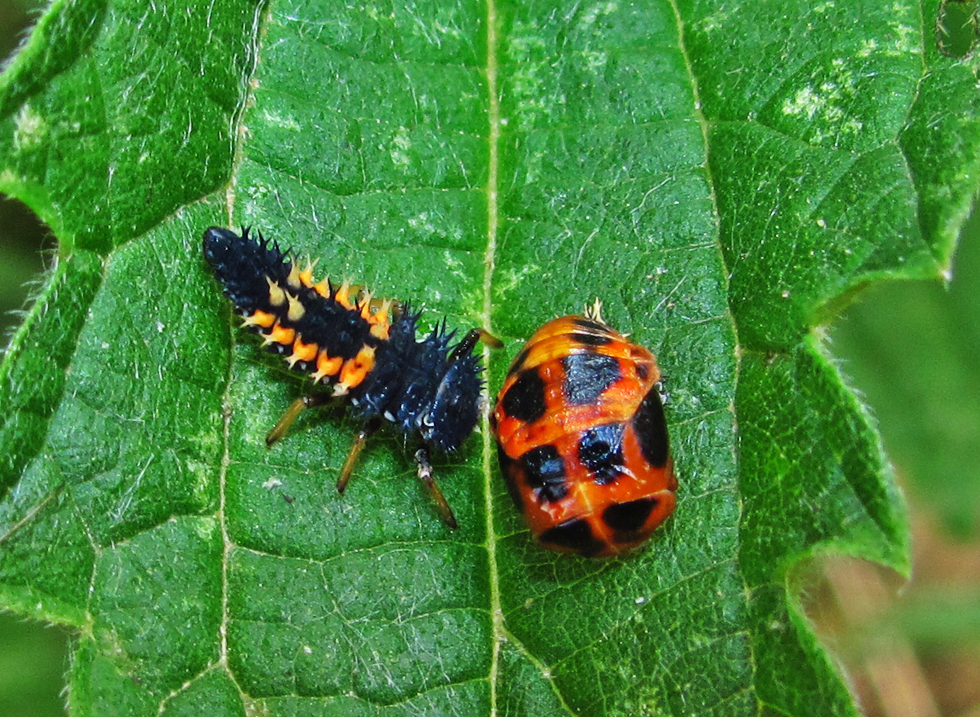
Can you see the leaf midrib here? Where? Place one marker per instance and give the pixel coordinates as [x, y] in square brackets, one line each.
[493, 140]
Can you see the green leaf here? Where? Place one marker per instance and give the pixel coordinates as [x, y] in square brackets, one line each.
[722, 176]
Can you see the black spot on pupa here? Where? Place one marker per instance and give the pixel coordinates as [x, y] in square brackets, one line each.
[587, 376]
[590, 324]
[545, 471]
[589, 339]
[525, 399]
[575, 534]
[601, 451]
[651, 429]
[629, 517]
[508, 468]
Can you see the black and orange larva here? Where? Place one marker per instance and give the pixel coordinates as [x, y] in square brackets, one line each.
[366, 350]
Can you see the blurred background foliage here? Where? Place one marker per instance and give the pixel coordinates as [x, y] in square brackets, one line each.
[909, 348]
[33, 657]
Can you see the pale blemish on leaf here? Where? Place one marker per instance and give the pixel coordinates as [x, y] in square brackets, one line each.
[253, 200]
[595, 62]
[205, 528]
[30, 129]
[511, 279]
[402, 144]
[718, 20]
[453, 264]
[112, 645]
[827, 106]
[422, 222]
[281, 121]
[805, 102]
[373, 14]
[590, 16]
[258, 190]
[905, 39]
[203, 476]
[526, 41]
[527, 51]
[868, 47]
[901, 40]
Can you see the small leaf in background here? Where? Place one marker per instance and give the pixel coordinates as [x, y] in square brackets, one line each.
[721, 176]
